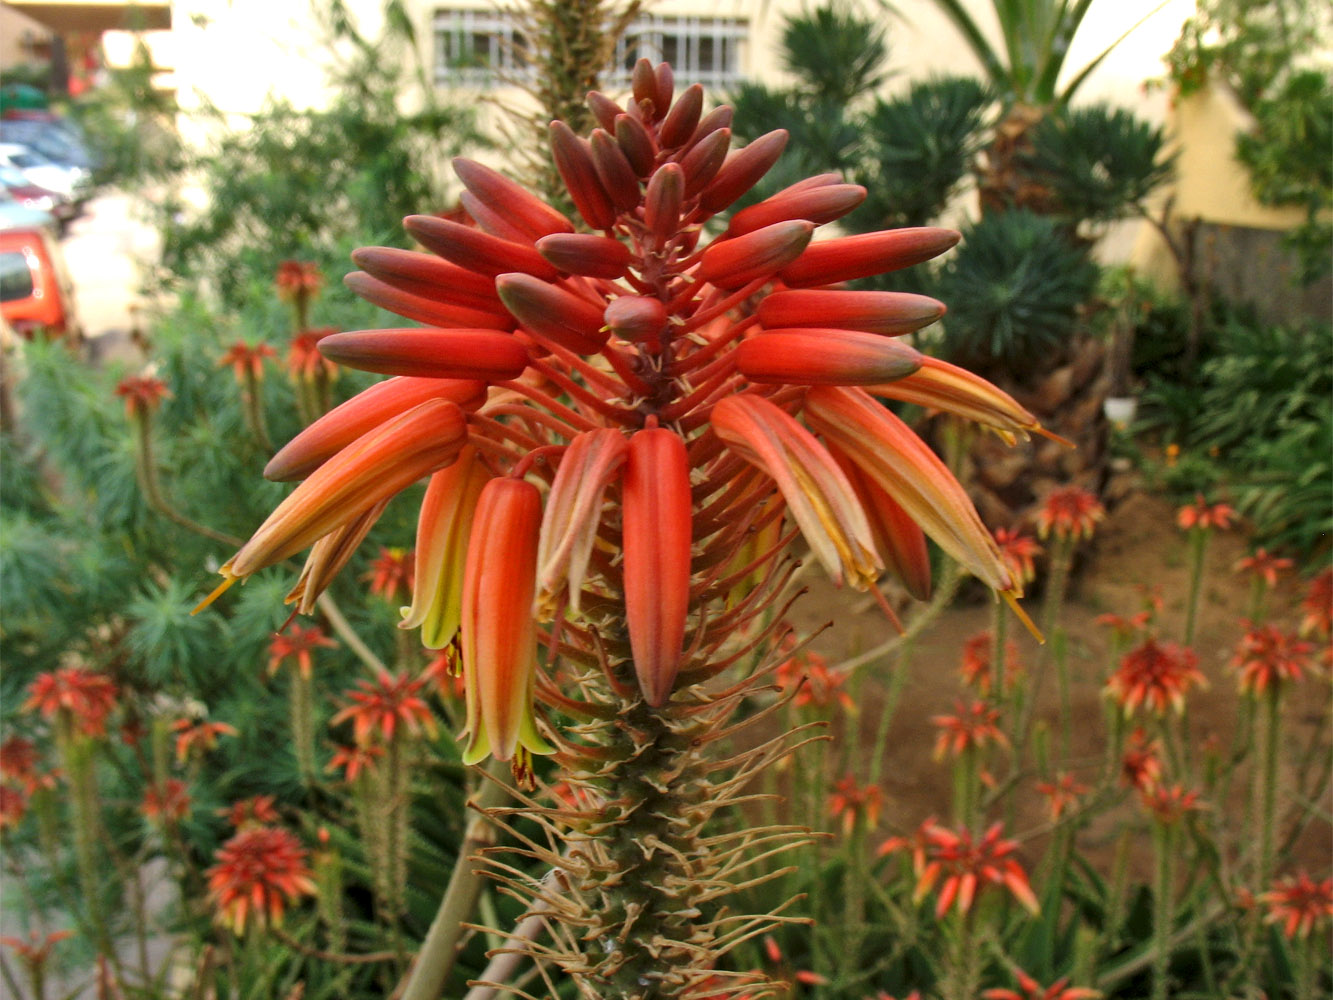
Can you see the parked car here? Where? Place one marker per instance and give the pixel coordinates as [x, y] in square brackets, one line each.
[31, 195]
[72, 182]
[36, 292]
[56, 140]
[14, 215]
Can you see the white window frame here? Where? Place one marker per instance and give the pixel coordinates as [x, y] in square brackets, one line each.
[646, 37]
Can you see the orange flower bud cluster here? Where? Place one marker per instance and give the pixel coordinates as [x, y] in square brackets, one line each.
[615, 422]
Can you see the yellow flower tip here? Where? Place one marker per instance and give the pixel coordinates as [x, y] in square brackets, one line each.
[1052, 436]
[1011, 597]
[218, 591]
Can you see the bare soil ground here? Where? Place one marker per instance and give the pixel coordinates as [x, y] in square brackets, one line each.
[1138, 544]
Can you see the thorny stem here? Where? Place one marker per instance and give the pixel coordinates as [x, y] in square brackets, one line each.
[1268, 779]
[303, 726]
[1163, 909]
[439, 950]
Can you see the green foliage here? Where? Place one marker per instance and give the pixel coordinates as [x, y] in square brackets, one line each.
[916, 149]
[1287, 157]
[1256, 419]
[1014, 288]
[838, 55]
[1250, 44]
[1036, 36]
[1098, 161]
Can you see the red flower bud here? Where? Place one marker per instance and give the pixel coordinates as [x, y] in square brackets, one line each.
[472, 249]
[704, 160]
[580, 253]
[550, 312]
[423, 309]
[661, 203]
[427, 276]
[573, 159]
[818, 205]
[617, 176]
[824, 357]
[888, 313]
[637, 318]
[850, 257]
[743, 170]
[429, 353]
[524, 210]
[604, 109]
[636, 144]
[735, 262]
[657, 537]
[679, 123]
[362, 414]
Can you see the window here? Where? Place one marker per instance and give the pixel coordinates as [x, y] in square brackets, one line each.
[703, 50]
[15, 277]
[476, 47]
[473, 47]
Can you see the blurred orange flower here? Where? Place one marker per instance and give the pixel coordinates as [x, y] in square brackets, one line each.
[89, 697]
[297, 643]
[1070, 512]
[259, 872]
[973, 727]
[1299, 904]
[1155, 675]
[1200, 515]
[168, 802]
[255, 811]
[383, 705]
[201, 736]
[1267, 657]
[967, 867]
[1061, 793]
[1140, 766]
[852, 803]
[1264, 566]
[1032, 990]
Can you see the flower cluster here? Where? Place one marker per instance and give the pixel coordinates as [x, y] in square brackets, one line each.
[1299, 904]
[1267, 657]
[633, 382]
[1070, 512]
[1156, 675]
[853, 803]
[87, 697]
[259, 872]
[1200, 515]
[967, 865]
[977, 668]
[974, 727]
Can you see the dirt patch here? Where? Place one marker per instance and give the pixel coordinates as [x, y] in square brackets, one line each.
[1138, 545]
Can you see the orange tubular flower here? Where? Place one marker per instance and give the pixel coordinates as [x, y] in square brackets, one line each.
[1157, 676]
[305, 360]
[569, 523]
[817, 492]
[499, 631]
[967, 866]
[143, 394]
[1070, 512]
[1140, 767]
[1199, 515]
[166, 803]
[259, 872]
[657, 557]
[1265, 566]
[547, 353]
[13, 805]
[383, 706]
[371, 469]
[89, 697]
[976, 667]
[390, 574]
[974, 727]
[1062, 793]
[297, 643]
[852, 803]
[1268, 657]
[1318, 606]
[443, 529]
[887, 451]
[247, 361]
[1032, 990]
[1299, 904]
[201, 736]
[255, 811]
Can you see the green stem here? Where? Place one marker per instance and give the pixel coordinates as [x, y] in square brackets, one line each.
[1163, 910]
[252, 400]
[439, 950]
[146, 470]
[303, 726]
[1268, 783]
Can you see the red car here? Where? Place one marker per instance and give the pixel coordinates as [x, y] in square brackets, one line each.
[36, 293]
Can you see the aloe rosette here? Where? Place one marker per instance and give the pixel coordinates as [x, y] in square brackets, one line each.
[619, 419]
